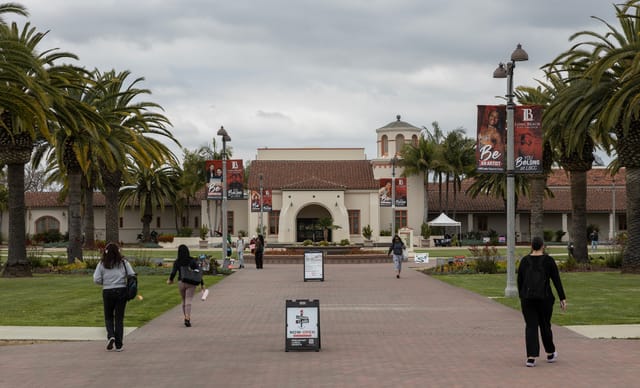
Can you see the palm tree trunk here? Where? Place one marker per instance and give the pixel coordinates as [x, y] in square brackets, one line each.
[631, 255]
[146, 221]
[74, 249]
[538, 182]
[578, 181]
[112, 183]
[88, 216]
[17, 263]
[425, 217]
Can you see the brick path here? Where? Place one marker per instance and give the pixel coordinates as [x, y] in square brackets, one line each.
[377, 331]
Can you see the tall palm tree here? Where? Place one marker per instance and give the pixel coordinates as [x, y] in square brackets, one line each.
[541, 95]
[152, 187]
[27, 94]
[610, 77]
[136, 130]
[459, 161]
[418, 160]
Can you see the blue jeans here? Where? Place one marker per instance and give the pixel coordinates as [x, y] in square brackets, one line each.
[115, 302]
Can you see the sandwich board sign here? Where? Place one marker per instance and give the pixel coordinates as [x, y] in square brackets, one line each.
[313, 265]
[302, 330]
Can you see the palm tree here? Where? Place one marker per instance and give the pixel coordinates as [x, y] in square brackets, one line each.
[542, 95]
[29, 90]
[152, 187]
[610, 92]
[418, 160]
[326, 224]
[134, 126]
[458, 161]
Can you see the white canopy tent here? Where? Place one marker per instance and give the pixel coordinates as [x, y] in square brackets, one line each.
[444, 220]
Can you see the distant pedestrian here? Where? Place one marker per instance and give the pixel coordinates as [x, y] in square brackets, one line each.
[259, 251]
[594, 240]
[187, 290]
[112, 275]
[536, 299]
[240, 251]
[397, 247]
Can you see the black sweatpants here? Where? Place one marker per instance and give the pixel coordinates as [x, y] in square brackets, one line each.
[537, 314]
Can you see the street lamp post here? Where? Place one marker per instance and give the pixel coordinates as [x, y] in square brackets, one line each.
[261, 204]
[518, 55]
[393, 195]
[225, 138]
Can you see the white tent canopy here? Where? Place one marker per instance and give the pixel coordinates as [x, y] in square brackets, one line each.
[443, 220]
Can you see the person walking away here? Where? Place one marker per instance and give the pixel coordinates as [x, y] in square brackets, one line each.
[594, 240]
[187, 290]
[240, 251]
[111, 272]
[259, 251]
[536, 299]
[397, 247]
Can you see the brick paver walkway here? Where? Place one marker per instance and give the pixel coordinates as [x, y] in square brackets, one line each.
[377, 331]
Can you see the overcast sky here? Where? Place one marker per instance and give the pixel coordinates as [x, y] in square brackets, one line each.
[314, 73]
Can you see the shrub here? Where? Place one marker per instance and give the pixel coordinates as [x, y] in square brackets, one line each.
[307, 243]
[344, 242]
[166, 238]
[185, 232]
[547, 235]
[385, 233]
[367, 232]
[323, 243]
[559, 234]
[425, 230]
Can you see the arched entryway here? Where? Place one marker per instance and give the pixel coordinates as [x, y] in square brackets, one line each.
[307, 221]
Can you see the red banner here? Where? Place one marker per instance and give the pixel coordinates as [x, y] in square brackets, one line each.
[528, 139]
[266, 200]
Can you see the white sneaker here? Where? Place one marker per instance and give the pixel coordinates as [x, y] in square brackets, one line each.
[553, 357]
[110, 342]
[531, 362]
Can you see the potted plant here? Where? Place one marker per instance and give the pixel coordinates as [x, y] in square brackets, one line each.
[204, 243]
[366, 233]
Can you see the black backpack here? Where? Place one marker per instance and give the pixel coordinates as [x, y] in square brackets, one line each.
[535, 279]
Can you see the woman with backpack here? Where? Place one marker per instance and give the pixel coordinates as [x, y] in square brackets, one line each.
[536, 299]
[187, 287]
[111, 272]
[397, 247]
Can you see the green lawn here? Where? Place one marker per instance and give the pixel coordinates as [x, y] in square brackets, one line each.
[74, 300]
[593, 298]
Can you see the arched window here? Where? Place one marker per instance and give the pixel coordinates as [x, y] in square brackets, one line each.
[414, 140]
[46, 224]
[384, 145]
[399, 143]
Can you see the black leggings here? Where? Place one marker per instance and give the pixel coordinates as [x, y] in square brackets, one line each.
[537, 314]
[115, 302]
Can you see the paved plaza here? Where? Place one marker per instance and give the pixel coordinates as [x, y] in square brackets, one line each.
[376, 331]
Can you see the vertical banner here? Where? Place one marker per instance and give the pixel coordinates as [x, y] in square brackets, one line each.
[490, 147]
[385, 195]
[214, 179]
[528, 139]
[267, 200]
[235, 179]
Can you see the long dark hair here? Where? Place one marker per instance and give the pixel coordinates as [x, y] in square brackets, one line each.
[111, 257]
[183, 252]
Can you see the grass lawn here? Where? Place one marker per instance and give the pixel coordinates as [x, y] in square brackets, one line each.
[74, 300]
[593, 298]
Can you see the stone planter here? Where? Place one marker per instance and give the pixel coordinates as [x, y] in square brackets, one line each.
[203, 244]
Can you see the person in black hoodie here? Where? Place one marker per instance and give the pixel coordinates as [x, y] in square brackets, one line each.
[397, 247]
[186, 290]
[537, 310]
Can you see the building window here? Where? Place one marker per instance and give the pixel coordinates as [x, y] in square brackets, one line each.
[274, 220]
[401, 220]
[354, 221]
[230, 223]
[47, 224]
[414, 140]
[384, 145]
[399, 144]
[622, 222]
[196, 222]
[158, 222]
[483, 223]
[121, 221]
[183, 221]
